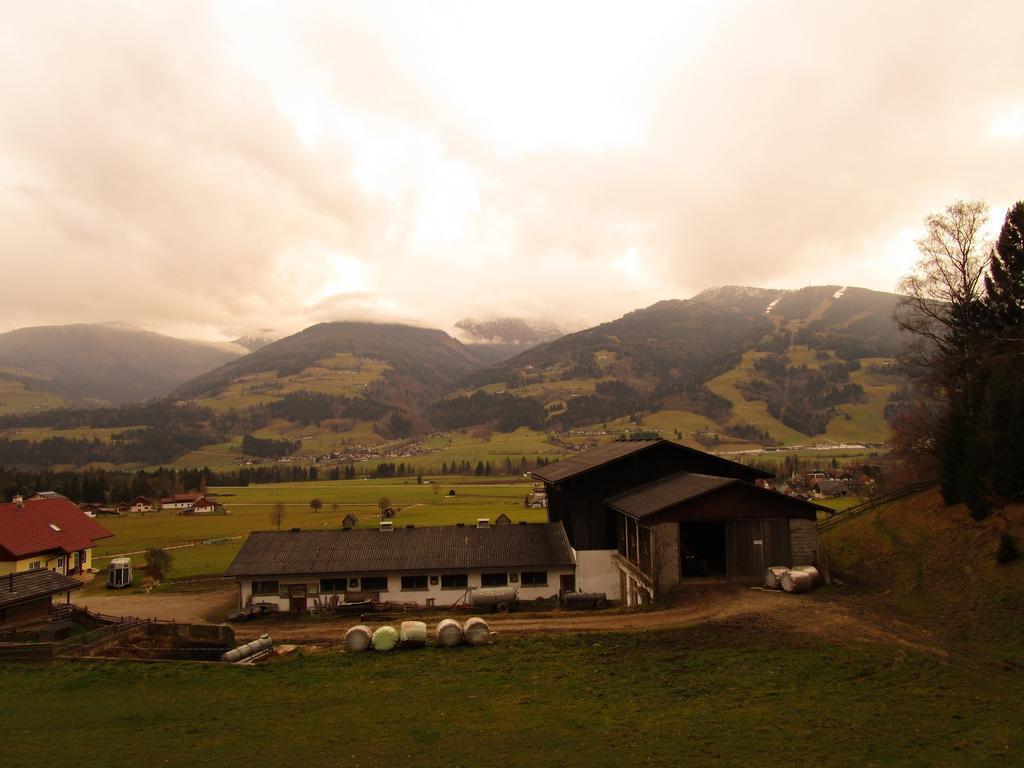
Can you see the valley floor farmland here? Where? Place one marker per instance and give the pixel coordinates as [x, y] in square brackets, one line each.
[418, 504]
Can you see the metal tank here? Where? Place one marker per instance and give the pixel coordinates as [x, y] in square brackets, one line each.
[358, 638]
[499, 598]
[448, 633]
[262, 643]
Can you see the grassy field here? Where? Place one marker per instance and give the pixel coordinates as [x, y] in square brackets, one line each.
[16, 398]
[251, 507]
[718, 695]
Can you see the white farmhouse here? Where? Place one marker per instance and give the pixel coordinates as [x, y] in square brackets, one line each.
[432, 566]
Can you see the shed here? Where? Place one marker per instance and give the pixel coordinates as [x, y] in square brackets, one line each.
[26, 597]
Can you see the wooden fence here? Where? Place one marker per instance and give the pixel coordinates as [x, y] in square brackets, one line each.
[860, 509]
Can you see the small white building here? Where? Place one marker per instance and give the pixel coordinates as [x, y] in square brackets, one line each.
[180, 501]
[142, 504]
[426, 566]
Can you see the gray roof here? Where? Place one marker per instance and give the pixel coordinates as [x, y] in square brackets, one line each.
[671, 491]
[592, 459]
[602, 455]
[668, 492]
[30, 585]
[369, 551]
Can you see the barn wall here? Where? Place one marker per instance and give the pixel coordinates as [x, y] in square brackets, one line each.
[803, 538]
[739, 502]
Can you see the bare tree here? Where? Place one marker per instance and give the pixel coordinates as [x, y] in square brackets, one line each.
[316, 505]
[277, 514]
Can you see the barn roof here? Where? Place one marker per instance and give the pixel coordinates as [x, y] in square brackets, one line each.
[44, 525]
[30, 585]
[586, 461]
[367, 550]
[601, 456]
[678, 489]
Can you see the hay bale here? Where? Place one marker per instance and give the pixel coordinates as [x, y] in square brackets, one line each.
[476, 631]
[816, 578]
[797, 581]
[358, 638]
[412, 634]
[385, 639]
[448, 633]
[773, 576]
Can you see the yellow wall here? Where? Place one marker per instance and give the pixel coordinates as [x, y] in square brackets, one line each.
[46, 560]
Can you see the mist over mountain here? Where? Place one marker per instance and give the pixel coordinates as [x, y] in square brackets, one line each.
[103, 363]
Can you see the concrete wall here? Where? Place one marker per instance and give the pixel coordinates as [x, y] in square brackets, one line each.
[803, 541]
[597, 572]
[395, 593]
[667, 565]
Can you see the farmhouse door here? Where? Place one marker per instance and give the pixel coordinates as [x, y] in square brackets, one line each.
[756, 544]
[297, 598]
[566, 583]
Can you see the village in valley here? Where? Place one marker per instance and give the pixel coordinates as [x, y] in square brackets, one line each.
[477, 384]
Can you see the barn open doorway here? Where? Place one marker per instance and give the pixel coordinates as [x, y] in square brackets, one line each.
[702, 549]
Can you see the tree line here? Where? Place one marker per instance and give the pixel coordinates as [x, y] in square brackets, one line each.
[964, 307]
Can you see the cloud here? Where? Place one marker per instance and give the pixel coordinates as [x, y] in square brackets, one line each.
[216, 169]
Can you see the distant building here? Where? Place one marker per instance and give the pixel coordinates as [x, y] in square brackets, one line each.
[47, 534]
[180, 501]
[46, 496]
[142, 504]
[201, 506]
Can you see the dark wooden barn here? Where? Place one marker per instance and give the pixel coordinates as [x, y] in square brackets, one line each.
[578, 487]
[691, 526]
[645, 515]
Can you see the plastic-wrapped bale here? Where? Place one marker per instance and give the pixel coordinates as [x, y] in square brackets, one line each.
[413, 634]
[358, 638]
[448, 633]
[385, 639]
[816, 578]
[476, 631]
[773, 576]
[797, 581]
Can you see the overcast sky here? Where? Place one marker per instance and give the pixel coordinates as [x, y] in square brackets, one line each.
[209, 170]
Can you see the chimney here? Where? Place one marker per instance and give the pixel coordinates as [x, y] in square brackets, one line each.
[18, 500]
[483, 522]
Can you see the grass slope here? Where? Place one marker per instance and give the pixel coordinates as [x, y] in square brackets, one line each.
[717, 695]
[937, 566]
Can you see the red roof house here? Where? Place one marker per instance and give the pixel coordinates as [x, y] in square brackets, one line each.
[50, 534]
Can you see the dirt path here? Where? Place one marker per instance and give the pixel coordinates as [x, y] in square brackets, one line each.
[186, 607]
[835, 619]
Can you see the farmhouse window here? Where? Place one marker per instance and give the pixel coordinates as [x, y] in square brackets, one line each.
[494, 580]
[35, 565]
[375, 583]
[264, 588]
[454, 581]
[414, 583]
[535, 578]
[333, 585]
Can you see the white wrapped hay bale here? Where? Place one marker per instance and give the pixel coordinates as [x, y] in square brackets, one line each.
[385, 639]
[358, 638]
[816, 578]
[448, 633]
[476, 631]
[773, 576]
[797, 581]
[412, 634]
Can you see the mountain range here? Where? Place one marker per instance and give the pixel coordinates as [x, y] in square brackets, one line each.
[732, 366]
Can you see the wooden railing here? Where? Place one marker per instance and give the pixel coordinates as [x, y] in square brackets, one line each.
[859, 509]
